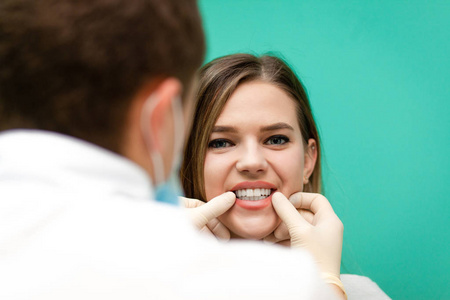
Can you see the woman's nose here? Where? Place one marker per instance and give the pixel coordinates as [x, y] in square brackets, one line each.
[251, 160]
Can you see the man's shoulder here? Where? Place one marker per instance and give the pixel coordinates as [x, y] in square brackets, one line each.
[114, 242]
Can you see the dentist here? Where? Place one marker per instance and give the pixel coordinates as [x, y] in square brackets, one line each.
[93, 98]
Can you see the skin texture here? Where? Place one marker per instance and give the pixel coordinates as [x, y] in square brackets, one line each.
[246, 153]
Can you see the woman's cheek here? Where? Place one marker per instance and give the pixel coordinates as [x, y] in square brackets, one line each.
[289, 167]
[214, 176]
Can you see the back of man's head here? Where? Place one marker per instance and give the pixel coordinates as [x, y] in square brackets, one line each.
[72, 66]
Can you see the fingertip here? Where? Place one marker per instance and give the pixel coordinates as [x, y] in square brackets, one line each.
[225, 238]
[270, 239]
[277, 197]
[268, 242]
[296, 199]
[230, 197]
[230, 194]
[225, 200]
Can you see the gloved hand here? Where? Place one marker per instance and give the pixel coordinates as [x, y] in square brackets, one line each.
[320, 231]
[204, 215]
[281, 235]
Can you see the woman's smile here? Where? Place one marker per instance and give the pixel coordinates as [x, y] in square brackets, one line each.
[254, 195]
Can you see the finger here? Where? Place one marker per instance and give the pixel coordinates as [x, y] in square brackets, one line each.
[307, 215]
[205, 230]
[295, 199]
[270, 239]
[215, 207]
[190, 203]
[287, 212]
[281, 232]
[285, 243]
[311, 201]
[219, 230]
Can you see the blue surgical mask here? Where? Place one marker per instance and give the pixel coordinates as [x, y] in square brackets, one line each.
[166, 191]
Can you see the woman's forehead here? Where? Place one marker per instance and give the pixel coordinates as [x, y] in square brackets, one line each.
[258, 103]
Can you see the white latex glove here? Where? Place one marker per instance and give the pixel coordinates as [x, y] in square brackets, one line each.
[322, 236]
[204, 215]
[281, 235]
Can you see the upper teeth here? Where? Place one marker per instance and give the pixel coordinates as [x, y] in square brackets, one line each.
[252, 194]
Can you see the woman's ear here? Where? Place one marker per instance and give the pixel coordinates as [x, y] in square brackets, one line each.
[310, 160]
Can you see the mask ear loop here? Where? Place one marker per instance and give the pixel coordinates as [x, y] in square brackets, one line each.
[155, 156]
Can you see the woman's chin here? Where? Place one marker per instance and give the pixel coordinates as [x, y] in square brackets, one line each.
[250, 227]
[251, 235]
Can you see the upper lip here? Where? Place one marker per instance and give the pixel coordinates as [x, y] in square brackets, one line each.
[253, 185]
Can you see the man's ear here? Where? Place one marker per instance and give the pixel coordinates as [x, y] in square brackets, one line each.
[160, 99]
[310, 158]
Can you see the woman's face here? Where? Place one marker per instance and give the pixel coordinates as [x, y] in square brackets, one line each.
[255, 149]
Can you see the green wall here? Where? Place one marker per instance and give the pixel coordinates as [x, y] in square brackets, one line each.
[377, 73]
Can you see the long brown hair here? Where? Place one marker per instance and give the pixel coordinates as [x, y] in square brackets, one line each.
[218, 80]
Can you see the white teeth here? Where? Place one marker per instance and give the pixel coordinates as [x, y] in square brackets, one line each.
[252, 194]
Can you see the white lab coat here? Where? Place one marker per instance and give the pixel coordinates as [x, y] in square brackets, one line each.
[78, 222]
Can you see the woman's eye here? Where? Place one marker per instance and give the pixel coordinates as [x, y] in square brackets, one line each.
[219, 143]
[277, 140]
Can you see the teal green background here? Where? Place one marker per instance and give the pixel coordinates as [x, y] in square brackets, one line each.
[377, 73]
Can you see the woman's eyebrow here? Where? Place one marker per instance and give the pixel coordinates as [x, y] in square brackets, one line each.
[224, 129]
[277, 126]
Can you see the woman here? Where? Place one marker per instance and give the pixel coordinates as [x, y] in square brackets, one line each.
[253, 134]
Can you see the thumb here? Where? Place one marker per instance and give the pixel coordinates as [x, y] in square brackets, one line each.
[215, 207]
[288, 213]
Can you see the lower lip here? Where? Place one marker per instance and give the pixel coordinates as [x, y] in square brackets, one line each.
[254, 204]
